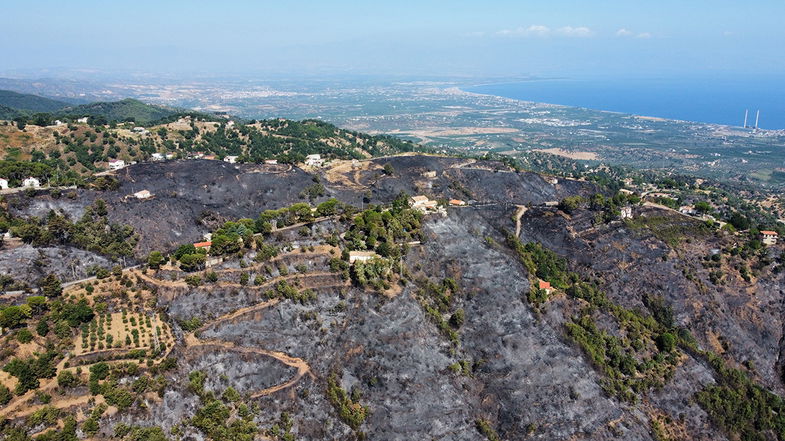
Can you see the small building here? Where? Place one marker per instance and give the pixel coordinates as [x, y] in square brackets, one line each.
[457, 202]
[144, 194]
[626, 212]
[206, 245]
[230, 124]
[31, 182]
[210, 157]
[423, 204]
[58, 122]
[551, 203]
[140, 130]
[687, 209]
[169, 156]
[545, 286]
[116, 164]
[231, 159]
[769, 237]
[3, 183]
[430, 174]
[157, 157]
[361, 256]
[314, 160]
[82, 120]
[271, 161]
[553, 181]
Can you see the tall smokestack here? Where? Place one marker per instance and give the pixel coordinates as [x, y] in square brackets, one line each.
[757, 117]
[746, 111]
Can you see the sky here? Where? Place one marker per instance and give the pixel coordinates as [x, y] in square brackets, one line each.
[425, 38]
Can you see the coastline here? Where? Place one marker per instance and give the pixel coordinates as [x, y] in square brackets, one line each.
[463, 90]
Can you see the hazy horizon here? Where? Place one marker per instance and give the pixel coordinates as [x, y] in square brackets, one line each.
[428, 39]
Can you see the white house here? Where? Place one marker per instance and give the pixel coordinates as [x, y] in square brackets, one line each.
[116, 164]
[626, 212]
[170, 156]
[423, 204]
[140, 130]
[157, 157]
[144, 194]
[553, 181]
[687, 209]
[271, 161]
[58, 122]
[82, 120]
[230, 159]
[769, 237]
[314, 160]
[3, 183]
[31, 182]
[361, 256]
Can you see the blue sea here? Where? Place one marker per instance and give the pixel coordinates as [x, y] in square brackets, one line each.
[712, 100]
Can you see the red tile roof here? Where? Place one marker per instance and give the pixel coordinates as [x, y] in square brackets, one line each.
[202, 244]
[545, 285]
[769, 233]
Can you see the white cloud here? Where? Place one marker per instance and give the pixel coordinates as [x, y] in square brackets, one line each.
[531, 31]
[626, 33]
[579, 32]
[544, 31]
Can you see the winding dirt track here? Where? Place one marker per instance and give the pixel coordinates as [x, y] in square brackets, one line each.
[192, 341]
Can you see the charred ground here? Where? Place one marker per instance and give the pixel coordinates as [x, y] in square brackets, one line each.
[506, 366]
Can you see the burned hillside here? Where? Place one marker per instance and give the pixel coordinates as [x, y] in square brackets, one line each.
[518, 310]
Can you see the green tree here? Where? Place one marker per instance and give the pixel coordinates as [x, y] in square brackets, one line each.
[51, 286]
[155, 259]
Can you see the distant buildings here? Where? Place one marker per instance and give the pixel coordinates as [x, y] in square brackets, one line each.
[314, 160]
[230, 159]
[116, 164]
[423, 204]
[687, 209]
[140, 130]
[457, 202]
[3, 183]
[430, 174]
[31, 182]
[206, 245]
[626, 212]
[157, 157]
[82, 120]
[551, 180]
[271, 161]
[361, 256]
[769, 237]
[545, 286]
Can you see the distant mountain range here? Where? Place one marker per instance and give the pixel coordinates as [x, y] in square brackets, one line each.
[19, 105]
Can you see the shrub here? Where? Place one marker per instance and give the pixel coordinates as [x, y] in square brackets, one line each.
[24, 336]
